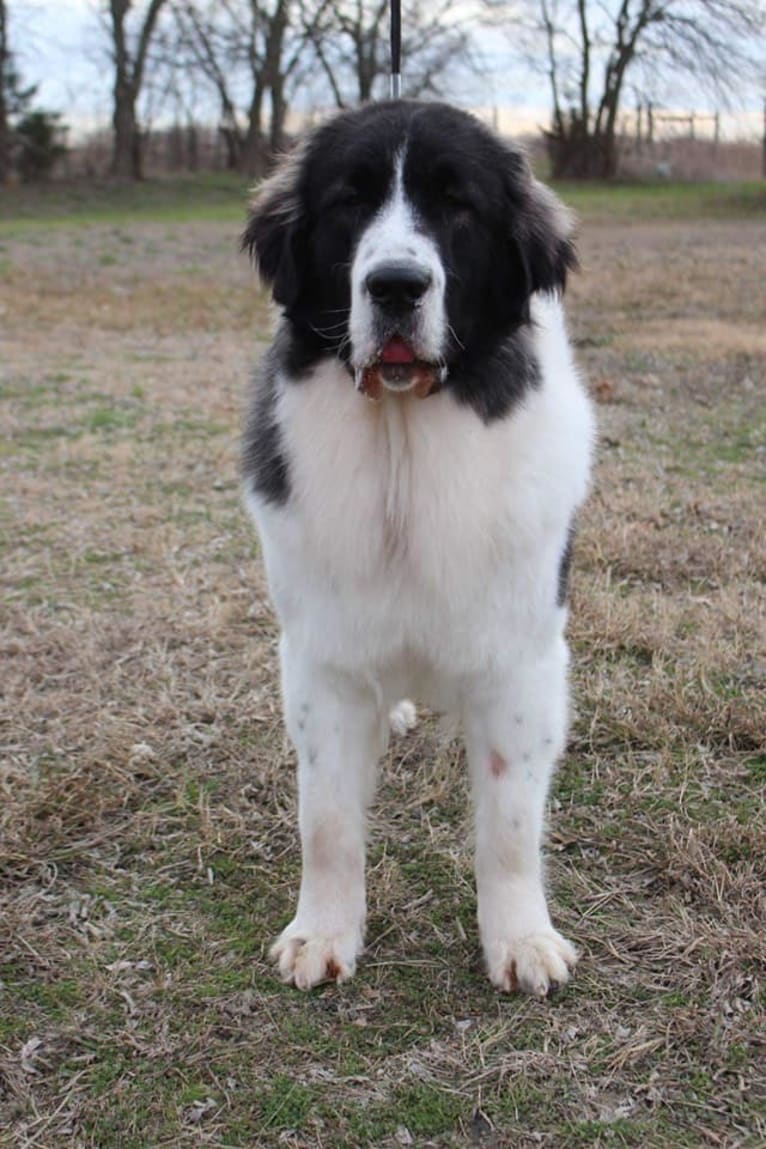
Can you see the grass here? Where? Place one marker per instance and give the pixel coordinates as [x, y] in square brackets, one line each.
[173, 199]
[668, 201]
[147, 808]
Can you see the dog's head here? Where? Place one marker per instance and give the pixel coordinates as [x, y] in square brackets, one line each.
[405, 237]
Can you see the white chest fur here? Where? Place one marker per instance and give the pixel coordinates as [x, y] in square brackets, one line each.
[413, 524]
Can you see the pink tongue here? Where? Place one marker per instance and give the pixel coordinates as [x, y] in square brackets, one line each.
[397, 351]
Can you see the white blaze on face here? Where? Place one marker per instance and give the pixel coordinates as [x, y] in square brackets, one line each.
[393, 236]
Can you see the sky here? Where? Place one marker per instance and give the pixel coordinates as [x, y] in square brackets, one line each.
[60, 46]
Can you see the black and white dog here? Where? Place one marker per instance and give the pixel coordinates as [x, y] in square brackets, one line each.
[418, 443]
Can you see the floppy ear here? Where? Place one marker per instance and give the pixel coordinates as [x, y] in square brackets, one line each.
[545, 235]
[276, 226]
[541, 229]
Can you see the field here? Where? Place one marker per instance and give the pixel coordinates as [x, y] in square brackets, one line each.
[148, 849]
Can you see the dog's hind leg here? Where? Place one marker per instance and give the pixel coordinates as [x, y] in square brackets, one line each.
[335, 724]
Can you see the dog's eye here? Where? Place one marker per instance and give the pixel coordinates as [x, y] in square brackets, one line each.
[456, 199]
[357, 187]
[345, 196]
[351, 195]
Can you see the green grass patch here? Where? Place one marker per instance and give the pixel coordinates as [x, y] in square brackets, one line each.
[54, 999]
[620, 1132]
[756, 769]
[640, 202]
[286, 1103]
[112, 418]
[208, 196]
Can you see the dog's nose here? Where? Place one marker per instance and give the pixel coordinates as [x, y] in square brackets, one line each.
[398, 286]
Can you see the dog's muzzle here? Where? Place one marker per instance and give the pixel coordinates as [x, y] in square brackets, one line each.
[396, 291]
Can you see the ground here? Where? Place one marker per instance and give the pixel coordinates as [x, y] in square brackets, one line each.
[148, 846]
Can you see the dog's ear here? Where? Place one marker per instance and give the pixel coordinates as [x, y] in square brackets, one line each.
[275, 228]
[541, 229]
[546, 231]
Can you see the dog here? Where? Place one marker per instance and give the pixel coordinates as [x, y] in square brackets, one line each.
[417, 445]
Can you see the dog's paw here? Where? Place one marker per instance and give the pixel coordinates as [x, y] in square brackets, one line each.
[403, 717]
[306, 958]
[535, 963]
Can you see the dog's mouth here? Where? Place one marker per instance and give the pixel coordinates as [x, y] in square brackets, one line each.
[397, 368]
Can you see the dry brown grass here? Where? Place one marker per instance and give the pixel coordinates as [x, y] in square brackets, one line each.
[147, 837]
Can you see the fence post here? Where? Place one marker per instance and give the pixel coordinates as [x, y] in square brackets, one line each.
[716, 135]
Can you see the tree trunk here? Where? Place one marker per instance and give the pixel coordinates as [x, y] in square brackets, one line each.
[278, 114]
[232, 145]
[253, 159]
[366, 70]
[128, 77]
[275, 78]
[192, 147]
[126, 155]
[578, 154]
[584, 65]
[607, 153]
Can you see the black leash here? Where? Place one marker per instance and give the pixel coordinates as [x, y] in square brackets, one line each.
[396, 49]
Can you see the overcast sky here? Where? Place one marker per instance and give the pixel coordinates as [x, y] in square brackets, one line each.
[61, 47]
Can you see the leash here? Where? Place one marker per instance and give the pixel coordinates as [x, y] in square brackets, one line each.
[396, 49]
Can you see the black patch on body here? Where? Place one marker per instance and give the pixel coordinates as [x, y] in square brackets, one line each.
[499, 234]
[264, 462]
[565, 568]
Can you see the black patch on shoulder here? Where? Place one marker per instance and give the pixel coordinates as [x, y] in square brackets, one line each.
[264, 462]
[493, 384]
[565, 567]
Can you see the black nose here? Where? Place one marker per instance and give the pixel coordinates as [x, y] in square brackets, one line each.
[398, 286]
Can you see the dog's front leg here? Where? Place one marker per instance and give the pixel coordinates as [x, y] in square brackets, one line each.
[515, 727]
[336, 728]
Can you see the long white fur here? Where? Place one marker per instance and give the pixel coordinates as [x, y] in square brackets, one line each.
[417, 556]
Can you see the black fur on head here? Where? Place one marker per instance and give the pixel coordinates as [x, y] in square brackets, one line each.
[501, 235]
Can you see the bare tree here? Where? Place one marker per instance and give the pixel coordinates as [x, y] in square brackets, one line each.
[589, 47]
[130, 42]
[350, 40]
[271, 62]
[256, 54]
[252, 46]
[211, 47]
